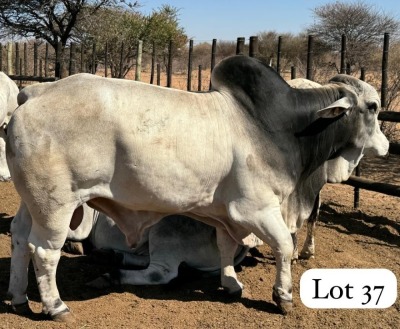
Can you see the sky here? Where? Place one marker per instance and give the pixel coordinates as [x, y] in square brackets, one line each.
[204, 20]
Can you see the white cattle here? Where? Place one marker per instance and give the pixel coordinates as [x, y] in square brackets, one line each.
[308, 250]
[333, 169]
[247, 157]
[8, 103]
[174, 240]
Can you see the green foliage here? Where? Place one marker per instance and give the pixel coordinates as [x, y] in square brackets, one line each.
[122, 30]
[52, 21]
[162, 25]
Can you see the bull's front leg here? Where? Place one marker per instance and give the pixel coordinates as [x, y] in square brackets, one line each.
[227, 248]
[20, 258]
[267, 223]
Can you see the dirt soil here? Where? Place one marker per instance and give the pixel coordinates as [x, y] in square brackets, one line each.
[346, 238]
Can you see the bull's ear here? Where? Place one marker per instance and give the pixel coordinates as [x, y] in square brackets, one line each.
[336, 108]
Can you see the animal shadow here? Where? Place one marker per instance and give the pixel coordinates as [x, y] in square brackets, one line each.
[356, 222]
[191, 285]
[5, 222]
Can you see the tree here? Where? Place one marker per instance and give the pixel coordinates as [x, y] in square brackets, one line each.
[362, 24]
[293, 50]
[50, 20]
[120, 29]
[162, 25]
[116, 26]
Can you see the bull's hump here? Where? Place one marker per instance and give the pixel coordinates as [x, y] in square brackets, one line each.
[245, 73]
[253, 84]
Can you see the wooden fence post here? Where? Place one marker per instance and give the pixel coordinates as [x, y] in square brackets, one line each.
[25, 59]
[58, 61]
[362, 74]
[153, 62]
[121, 60]
[253, 46]
[138, 71]
[357, 189]
[190, 64]
[310, 57]
[358, 168]
[348, 69]
[10, 70]
[169, 67]
[278, 57]
[82, 68]
[94, 58]
[72, 66]
[385, 61]
[240, 46]
[158, 74]
[293, 72]
[199, 79]
[35, 59]
[213, 54]
[46, 61]
[106, 59]
[17, 71]
[343, 55]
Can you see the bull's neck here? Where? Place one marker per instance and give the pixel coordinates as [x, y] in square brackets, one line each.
[319, 139]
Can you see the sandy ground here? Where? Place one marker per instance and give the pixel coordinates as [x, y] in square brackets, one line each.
[346, 238]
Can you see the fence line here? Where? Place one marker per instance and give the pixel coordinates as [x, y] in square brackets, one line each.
[92, 61]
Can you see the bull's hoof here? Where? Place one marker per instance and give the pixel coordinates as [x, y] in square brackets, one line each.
[22, 309]
[234, 293]
[307, 255]
[73, 247]
[232, 286]
[285, 306]
[66, 317]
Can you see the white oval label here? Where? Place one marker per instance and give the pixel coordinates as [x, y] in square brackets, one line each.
[348, 288]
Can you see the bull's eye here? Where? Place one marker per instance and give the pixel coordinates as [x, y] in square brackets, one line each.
[372, 106]
[4, 127]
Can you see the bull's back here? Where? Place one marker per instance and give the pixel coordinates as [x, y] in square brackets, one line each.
[115, 133]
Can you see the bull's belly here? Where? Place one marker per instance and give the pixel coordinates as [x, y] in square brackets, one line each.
[160, 187]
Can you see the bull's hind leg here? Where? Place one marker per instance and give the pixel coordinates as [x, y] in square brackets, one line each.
[267, 223]
[295, 256]
[20, 258]
[45, 241]
[308, 250]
